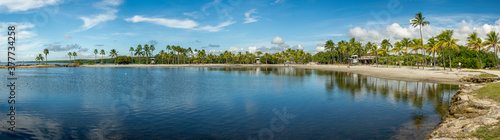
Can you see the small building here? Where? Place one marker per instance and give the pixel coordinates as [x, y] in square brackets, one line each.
[258, 60]
[367, 59]
[152, 61]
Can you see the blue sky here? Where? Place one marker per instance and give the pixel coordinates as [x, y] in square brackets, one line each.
[237, 25]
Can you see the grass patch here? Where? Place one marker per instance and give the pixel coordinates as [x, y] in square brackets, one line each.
[483, 74]
[488, 132]
[489, 91]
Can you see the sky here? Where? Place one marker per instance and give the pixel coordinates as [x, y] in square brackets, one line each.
[81, 26]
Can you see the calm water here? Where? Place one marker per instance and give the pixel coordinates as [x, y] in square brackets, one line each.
[219, 103]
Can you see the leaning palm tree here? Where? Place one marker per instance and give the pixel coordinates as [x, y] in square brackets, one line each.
[419, 22]
[430, 47]
[450, 43]
[46, 51]
[39, 58]
[475, 43]
[95, 56]
[74, 56]
[493, 42]
[398, 47]
[102, 55]
[131, 50]
[113, 53]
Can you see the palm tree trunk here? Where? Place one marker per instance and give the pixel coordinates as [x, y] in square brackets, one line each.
[480, 63]
[399, 60]
[422, 43]
[444, 66]
[496, 56]
[418, 60]
[449, 58]
[45, 58]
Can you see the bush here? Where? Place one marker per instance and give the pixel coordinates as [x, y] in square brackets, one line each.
[123, 60]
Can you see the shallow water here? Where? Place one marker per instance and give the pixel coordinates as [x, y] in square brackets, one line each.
[219, 103]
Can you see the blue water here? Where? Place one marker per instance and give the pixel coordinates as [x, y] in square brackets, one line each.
[219, 103]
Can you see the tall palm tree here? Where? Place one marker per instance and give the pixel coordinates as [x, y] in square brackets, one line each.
[131, 50]
[69, 55]
[138, 51]
[330, 46]
[419, 22]
[374, 51]
[95, 56]
[74, 56]
[46, 51]
[398, 47]
[102, 55]
[475, 43]
[168, 48]
[493, 42]
[113, 53]
[450, 43]
[146, 52]
[152, 48]
[162, 52]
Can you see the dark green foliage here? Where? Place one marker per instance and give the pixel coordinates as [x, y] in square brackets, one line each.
[123, 60]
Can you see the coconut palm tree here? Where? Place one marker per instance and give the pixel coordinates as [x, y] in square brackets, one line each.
[475, 43]
[416, 45]
[430, 47]
[39, 58]
[74, 56]
[419, 22]
[131, 50]
[69, 55]
[168, 48]
[46, 51]
[95, 55]
[146, 52]
[493, 42]
[102, 56]
[374, 51]
[398, 47]
[330, 46]
[138, 52]
[113, 53]
[450, 43]
[386, 46]
[406, 42]
[152, 48]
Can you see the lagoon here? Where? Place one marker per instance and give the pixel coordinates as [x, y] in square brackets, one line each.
[219, 103]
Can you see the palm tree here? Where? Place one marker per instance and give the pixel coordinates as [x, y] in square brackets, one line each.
[39, 58]
[146, 52]
[493, 42]
[475, 43]
[138, 51]
[113, 53]
[330, 46]
[447, 41]
[46, 51]
[95, 55]
[168, 48]
[386, 46]
[430, 46]
[131, 50]
[152, 48]
[398, 47]
[374, 51]
[406, 42]
[162, 52]
[416, 45]
[74, 56]
[102, 55]
[69, 55]
[419, 22]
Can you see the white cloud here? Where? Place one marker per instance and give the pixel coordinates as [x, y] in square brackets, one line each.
[109, 6]
[249, 18]
[298, 46]
[277, 40]
[25, 5]
[320, 49]
[234, 49]
[278, 2]
[182, 24]
[195, 15]
[252, 49]
[172, 23]
[68, 36]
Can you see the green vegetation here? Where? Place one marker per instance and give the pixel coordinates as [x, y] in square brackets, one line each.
[489, 91]
[488, 132]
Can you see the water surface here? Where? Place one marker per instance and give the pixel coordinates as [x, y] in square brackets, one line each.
[219, 103]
